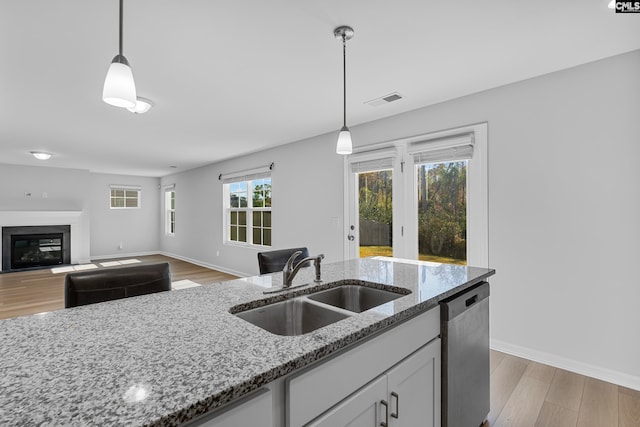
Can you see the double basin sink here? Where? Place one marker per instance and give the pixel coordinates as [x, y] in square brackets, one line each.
[308, 312]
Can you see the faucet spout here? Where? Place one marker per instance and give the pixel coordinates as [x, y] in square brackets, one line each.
[290, 272]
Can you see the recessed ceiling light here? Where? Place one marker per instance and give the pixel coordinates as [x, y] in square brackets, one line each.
[40, 155]
[142, 105]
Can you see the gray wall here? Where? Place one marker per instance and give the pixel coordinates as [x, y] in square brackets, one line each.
[138, 230]
[307, 206]
[65, 189]
[564, 204]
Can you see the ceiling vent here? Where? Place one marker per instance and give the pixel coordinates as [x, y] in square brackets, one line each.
[392, 97]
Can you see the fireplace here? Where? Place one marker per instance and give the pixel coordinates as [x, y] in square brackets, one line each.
[35, 247]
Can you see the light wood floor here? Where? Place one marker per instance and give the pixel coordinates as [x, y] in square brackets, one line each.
[37, 291]
[527, 393]
[523, 392]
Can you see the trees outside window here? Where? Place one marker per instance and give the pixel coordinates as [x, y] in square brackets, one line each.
[442, 211]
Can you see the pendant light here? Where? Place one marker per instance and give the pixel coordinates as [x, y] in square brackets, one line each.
[344, 137]
[119, 88]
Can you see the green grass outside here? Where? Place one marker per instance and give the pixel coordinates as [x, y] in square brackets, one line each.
[366, 251]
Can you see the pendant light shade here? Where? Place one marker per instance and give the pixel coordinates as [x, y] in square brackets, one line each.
[119, 87]
[344, 145]
[344, 142]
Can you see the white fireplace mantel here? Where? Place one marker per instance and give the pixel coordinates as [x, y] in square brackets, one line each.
[78, 220]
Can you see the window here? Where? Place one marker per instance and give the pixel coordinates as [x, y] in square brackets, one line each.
[248, 209]
[124, 197]
[170, 211]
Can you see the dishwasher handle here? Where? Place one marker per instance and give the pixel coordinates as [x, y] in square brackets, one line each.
[457, 304]
[472, 300]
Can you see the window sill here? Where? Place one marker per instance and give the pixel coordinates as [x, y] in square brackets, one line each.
[247, 245]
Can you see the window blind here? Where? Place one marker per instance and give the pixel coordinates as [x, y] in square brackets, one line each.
[248, 175]
[374, 160]
[125, 187]
[451, 148]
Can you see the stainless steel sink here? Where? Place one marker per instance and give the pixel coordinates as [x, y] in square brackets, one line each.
[311, 311]
[292, 317]
[354, 297]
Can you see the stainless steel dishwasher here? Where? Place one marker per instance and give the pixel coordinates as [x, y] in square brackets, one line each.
[465, 357]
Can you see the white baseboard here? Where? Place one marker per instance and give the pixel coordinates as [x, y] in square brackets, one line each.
[206, 265]
[128, 255]
[604, 374]
[192, 261]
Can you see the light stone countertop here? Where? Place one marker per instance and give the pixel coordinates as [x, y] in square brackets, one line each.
[165, 358]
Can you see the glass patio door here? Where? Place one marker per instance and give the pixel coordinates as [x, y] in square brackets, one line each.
[375, 213]
[371, 201]
[442, 211]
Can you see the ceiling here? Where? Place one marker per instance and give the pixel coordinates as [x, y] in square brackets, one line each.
[238, 76]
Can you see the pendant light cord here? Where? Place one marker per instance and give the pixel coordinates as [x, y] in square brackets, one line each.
[120, 42]
[344, 76]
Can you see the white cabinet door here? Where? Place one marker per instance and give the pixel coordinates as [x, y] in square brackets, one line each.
[314, 391]
[362, 409]
[414, 389]
[411, 390]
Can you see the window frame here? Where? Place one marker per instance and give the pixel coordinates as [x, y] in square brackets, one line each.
[125, 188]
[169, 194]
[249, 211]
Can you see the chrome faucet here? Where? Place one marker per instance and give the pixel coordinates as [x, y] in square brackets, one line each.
[290, 272]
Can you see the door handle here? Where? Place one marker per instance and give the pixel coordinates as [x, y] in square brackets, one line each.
[385, 423]
[350, 236]
[397, 413]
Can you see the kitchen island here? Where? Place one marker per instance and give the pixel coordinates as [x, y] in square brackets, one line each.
[167, 358]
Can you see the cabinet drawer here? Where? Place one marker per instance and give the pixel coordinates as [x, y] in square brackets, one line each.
[320, 387]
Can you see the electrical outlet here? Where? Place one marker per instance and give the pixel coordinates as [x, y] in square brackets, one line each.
[217, 253]
[120, 246]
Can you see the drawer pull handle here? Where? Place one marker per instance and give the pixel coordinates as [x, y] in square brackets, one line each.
[471, 300]
[397, 413]
[385, 423]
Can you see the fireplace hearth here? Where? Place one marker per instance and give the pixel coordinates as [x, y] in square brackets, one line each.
[31, 247]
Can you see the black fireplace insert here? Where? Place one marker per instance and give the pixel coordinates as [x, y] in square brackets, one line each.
[35, 247]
